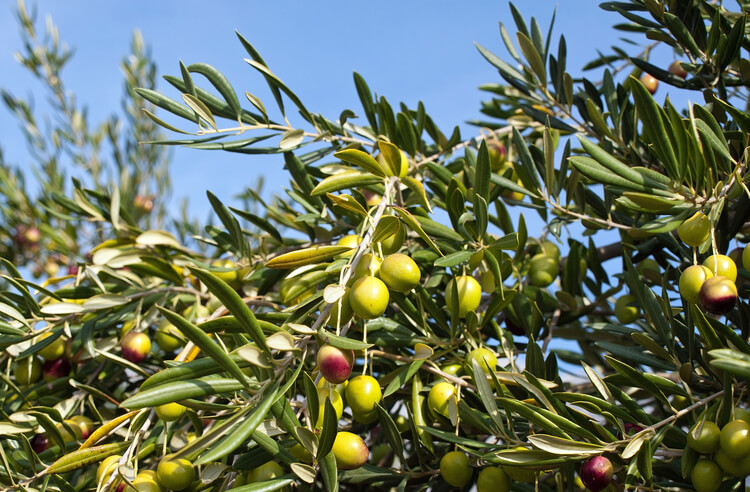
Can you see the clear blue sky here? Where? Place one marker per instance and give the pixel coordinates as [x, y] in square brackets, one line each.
[407, 51]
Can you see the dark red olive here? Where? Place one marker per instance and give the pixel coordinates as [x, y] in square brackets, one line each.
[718, 295]
[596, 473]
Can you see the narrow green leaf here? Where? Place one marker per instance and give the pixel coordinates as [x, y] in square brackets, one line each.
[483, 172]
[557, 445]
[486, 395]
[234, 303]
[240, 434]
[454, 259]
[292, 139]
[361, 159]
[230, 222]
[85, 457]
[418, 189]
[221, 83]
[533, 57]
[274, 81]
[168, 104]
[200, 109]
[682, 34]
[344, 181]
[181, 390]
[205, 343]
[414, 225]
[637, 379]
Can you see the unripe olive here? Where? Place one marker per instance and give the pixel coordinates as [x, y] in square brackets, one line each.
[469, 294]
[721, 266]
[363, 394]
[369, 297]
[455, 469]
[438, 400]
[350, 451]
[624, 311]
[691, 281]
[543, 269]
[707, 440]
[399, 272]
[695, 230]
[706, 476]
[486, 359]
[392, 243]
[735, 439]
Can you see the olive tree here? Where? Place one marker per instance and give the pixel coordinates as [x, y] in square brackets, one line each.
[390, 320]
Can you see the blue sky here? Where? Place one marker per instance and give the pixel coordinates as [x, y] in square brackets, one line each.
[407, 51]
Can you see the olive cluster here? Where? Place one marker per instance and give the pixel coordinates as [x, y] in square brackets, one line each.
[724, 450]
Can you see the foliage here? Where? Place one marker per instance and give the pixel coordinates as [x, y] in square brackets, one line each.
[574, 380]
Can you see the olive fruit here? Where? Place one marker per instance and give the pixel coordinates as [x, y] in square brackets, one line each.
[39, 442]
[742, 414]
[676, 68]
[695, 230]
[365, 418]
[721, 266]
[469, 294]
[718, 295]
[497, 155]
[335, 397]
[382, 455]
[53, 350]
[399, 272]
[363, 394]
[350, 451]
[735, 439]
[543, 269]
[746, 257]
[596, 473]
[266, 471]
[493, 479]
[106, 468]
[168, 336]
[651, 84]
[550, 249]
[369, 297]
[624, 312]
[55, 369]
[175, 474]
[730, 466]
[455, 469]
[145, 481]
[341, 311]
[85, 424]
[28, 371]
[518, 474]
[392, 243]
[135, 346]
[691, 280]
[350, 240]
[69, 430]
[484, 357]
[707, 440]
[439, 397]
[369, 264]
[706, 476]
[170, 412]
[335, 364]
